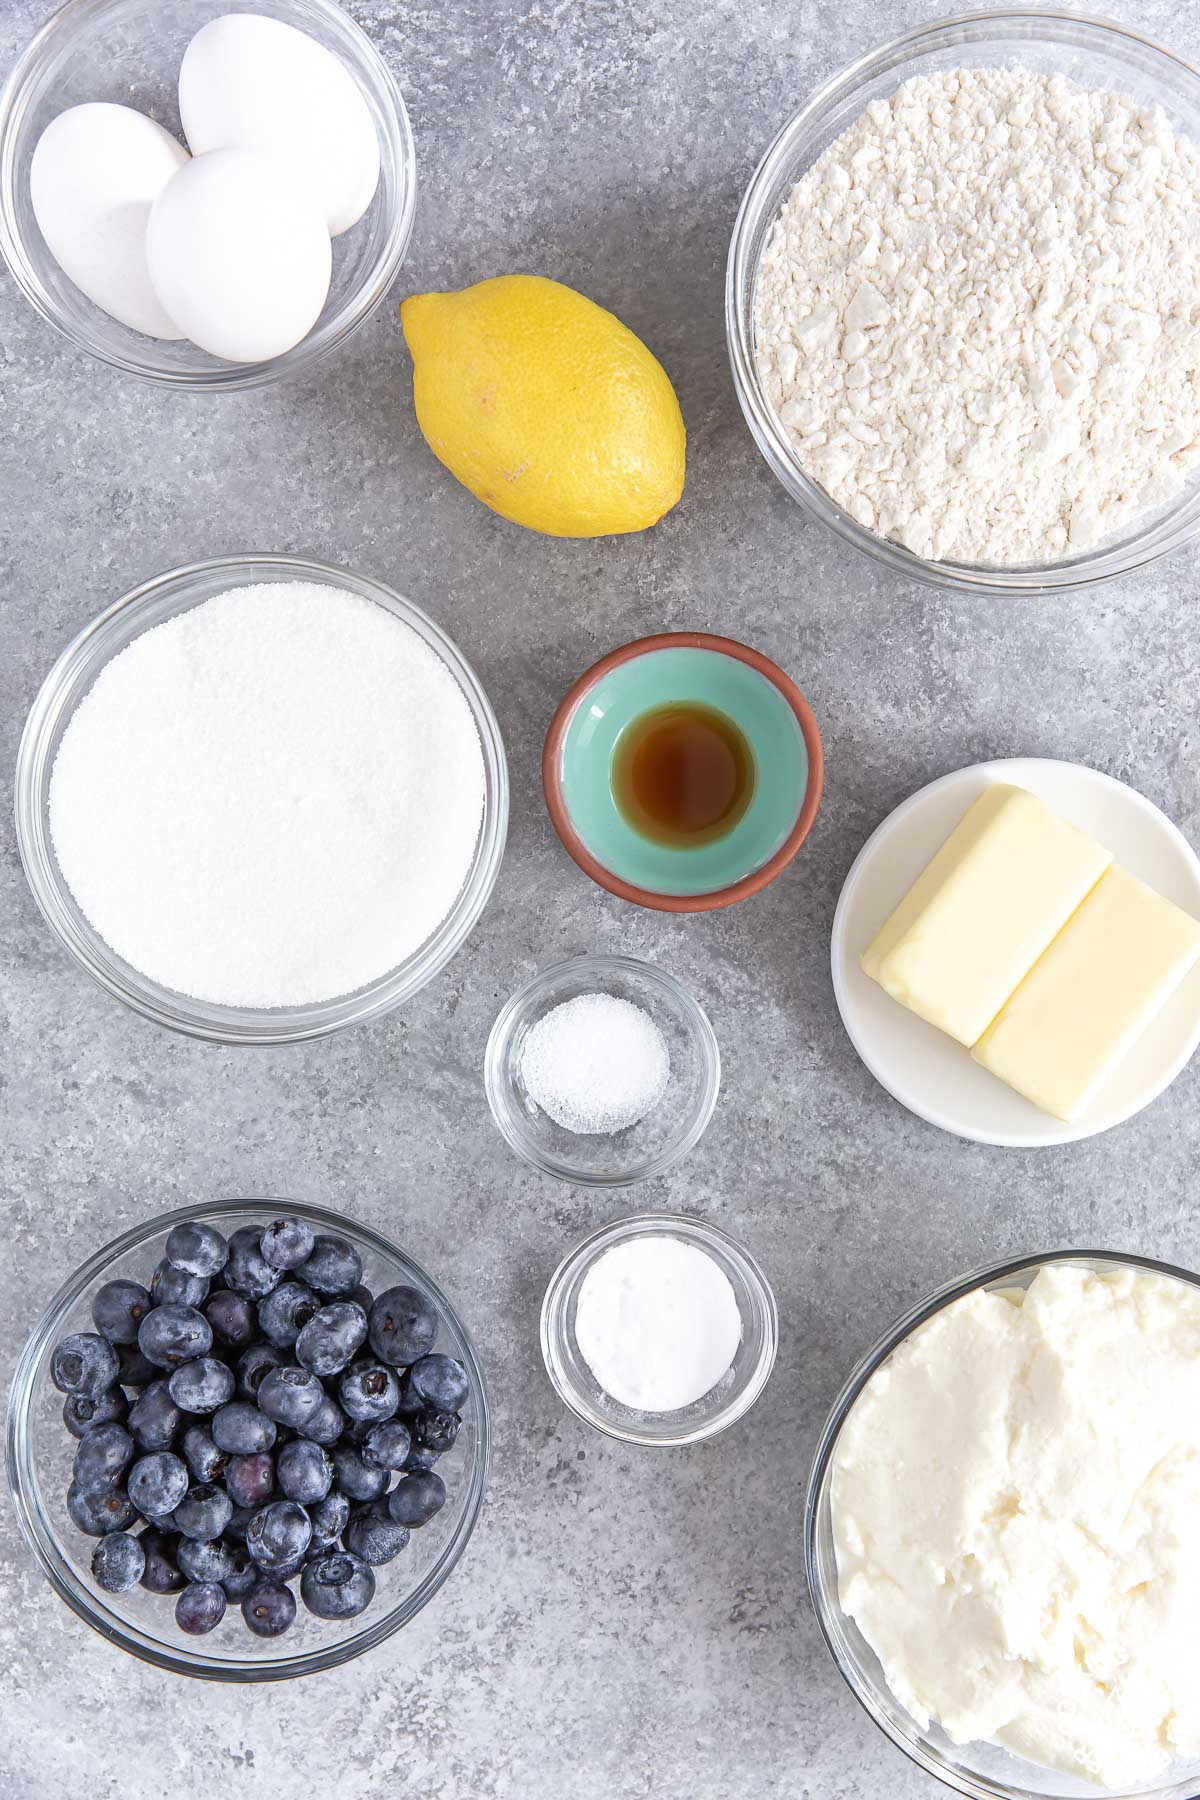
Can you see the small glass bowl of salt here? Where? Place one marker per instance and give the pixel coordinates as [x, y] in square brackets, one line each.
[602, 1071]
[672, 1314]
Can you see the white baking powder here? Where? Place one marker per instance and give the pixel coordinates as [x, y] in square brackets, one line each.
[269, 800]
[595, 1064]
[657, 1323]
[978, 316]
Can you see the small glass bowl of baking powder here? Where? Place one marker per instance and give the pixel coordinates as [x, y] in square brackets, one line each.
[1089, 52]
[654, 1142]
[73, 677]
[732, 1396]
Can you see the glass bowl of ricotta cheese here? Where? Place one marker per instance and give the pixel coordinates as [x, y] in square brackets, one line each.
[951, 310]
[1002, 1530]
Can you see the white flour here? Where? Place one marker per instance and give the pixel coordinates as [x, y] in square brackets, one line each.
[978, 316]
[271, 799]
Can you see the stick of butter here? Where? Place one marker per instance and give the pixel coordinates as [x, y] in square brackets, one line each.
[972, 926]
[1089, 998]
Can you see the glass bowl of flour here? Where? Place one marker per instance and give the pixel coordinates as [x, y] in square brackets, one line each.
[260, 800]
[1016, 1458]
[960, 303]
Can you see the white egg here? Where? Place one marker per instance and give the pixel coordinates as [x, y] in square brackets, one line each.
[257, 84]
[94, 175]
[238, 255]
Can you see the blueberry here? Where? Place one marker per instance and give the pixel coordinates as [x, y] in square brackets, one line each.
[289, 1396]
[269, 1609]
[247, 1272]
[83, 1364]
[356, 1478]
[102, 1457]
[161, 1574]
[174, 1334]
[419, 1460]
[199, 1449]
[374, 1536]
[242, 1572]
[250, 1480]
[118, 1308]
[304, 1472]
[135, 1370]
[118, 1562]
[435, 1430]
[82, 1411]
[198, 1249]
[158, 1482]
[386, 1445]
[278, 1534]
[334, 1267]
[285, 1311]
[252, 1365]
[329, 1518]
[369, 1391]
[286, 1243]
[98, 1513]
[403, 1326]
[235, 1531]
[337, 1587]
[332, 1338]
[202, 1385]
[154, 1419]
[362, 1296]
[326, 1425]
[203, 1513]
[170, 1286]
[204, 1559]
[416, 1498]
[241, 1429]
[440, 1381]
[232, 1317]
[200, 1607]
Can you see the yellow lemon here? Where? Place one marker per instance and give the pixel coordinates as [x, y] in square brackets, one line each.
[545, 406]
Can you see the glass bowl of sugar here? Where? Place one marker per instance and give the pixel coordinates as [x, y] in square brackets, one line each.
[602, 1070]
[659, 1330]
[260, 800]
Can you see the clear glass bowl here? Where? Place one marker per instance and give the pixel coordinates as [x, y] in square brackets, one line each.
[657, 1141]
[1091, 52]
[71, 678]
[715, 1411]
[129, 51]
[40, 1452]
[982, 1771]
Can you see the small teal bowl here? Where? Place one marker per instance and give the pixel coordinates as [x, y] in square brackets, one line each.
[695, 667]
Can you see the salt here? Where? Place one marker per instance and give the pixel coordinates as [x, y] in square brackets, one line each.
[657, 1323]
[271, 799]
[595, 1064]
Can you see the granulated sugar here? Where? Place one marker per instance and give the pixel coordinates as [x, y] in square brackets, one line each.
[978, 315]
[595, 1064]
[271, 799]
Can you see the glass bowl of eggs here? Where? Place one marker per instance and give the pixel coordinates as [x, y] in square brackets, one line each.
[248, 259]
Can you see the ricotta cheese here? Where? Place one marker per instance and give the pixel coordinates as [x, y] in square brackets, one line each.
[1016, 1519]
[978, 316]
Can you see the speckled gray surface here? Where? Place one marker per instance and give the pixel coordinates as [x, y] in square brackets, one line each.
[623, 1624]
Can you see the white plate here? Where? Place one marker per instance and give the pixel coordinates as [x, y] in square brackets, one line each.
[930, 1073]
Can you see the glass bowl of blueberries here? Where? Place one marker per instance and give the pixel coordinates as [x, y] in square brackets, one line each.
[248, 1440]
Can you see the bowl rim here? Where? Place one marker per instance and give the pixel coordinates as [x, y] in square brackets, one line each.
[87, 653]
[552, 786]
[985, 1275]
[1105, 561]
[496, 1055]
[42, 1540]
[232, 377]
[691, 1229]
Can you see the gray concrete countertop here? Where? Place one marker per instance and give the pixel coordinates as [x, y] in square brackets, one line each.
[623, 1624]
